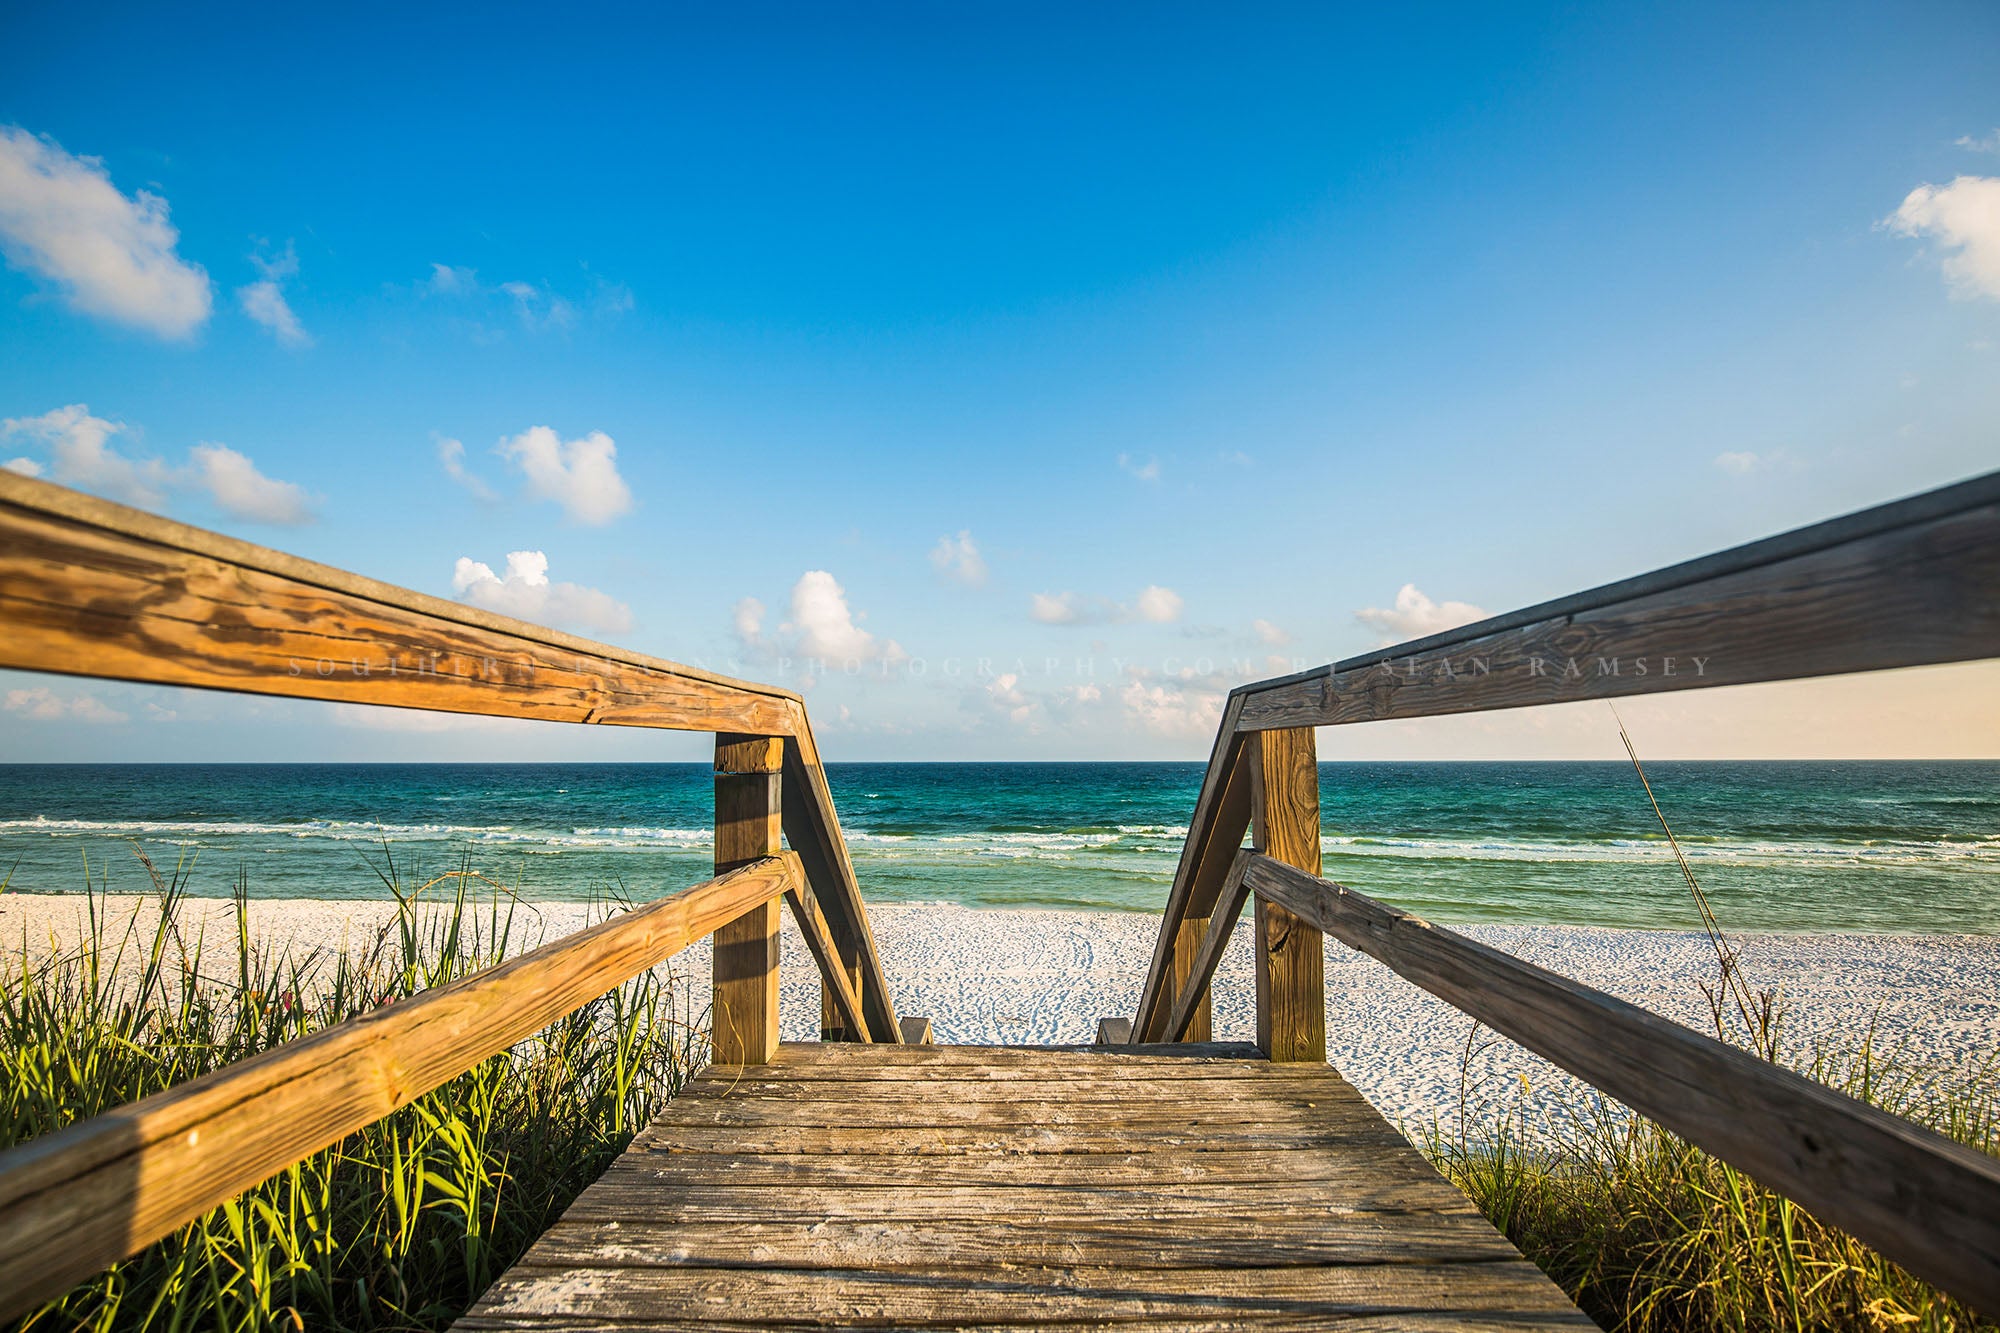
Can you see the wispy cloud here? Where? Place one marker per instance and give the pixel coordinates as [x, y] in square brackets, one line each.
[958, 559]
[1154, 605]
[1268, 633]
[451, 457]
[1963, 218]
[1986, 144]
[1415, 615]
[41, 704]
[524, 591]
[1146, 471]
[62, 219]
[264, 300]
[580, 475]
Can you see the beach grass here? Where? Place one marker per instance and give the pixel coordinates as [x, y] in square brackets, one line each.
[400, 1226]
[1649, 1234]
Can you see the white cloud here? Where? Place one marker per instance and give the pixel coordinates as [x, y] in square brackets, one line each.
[1173, 708]
[747, 619]
[539, 308]
[264, 300]
[1268, 633]
[82, 455]
[1988, 144]
[41, 704]
[1160, 606]
[1005, 694]
[958, 558]
[1964, 218]
[825, 627]
[1738, 463]
[1416, 615]
[1146, 471]
[235, 484]
[26, 467]
[448, 281]
[451, 457]
[62, 219]
[580, 475]
[525, 593]
[1154, 604]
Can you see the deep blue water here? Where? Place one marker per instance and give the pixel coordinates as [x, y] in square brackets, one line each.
[1786, 846]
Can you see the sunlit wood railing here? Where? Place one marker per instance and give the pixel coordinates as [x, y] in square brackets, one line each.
[1906, 584]
[90, 588]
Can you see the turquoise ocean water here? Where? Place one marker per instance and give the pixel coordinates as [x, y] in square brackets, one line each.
[1907, 846]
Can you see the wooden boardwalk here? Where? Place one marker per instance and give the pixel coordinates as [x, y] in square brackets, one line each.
[1199, 1186]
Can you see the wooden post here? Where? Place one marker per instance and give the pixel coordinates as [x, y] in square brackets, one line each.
[831, 1026]
[1187, 944]
[1291, 968]
[748, 783]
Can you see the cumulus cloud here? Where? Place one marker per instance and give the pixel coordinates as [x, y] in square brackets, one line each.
[1416, 615]
[1266, 632]
[1172, 707]
[62, 219]
[958, 559]
[1154, 604]
[1963, 218]
[824, 625]
[524, 592]
[580, 475]
[235, 484]
[1146, 471]
[451, 457]
[1004, 693]
[264, 299]
[82, 455]
[41, 704]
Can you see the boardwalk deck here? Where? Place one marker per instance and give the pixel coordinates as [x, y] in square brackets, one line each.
[966, 1186]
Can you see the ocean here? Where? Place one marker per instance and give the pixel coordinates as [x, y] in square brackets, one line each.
[1848, 846]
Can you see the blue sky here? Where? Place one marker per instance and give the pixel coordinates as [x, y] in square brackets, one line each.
[1174, 344]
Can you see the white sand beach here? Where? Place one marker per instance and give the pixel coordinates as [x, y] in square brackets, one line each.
[1037, 976]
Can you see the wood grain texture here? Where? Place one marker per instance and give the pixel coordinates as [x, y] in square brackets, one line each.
[1192, 1002]
[1119, 1215]
[744, 962]
[1906, 584]
[1198, 1023]
[78, 1200]
[1221, 816]
[835, 976]
[812, 828]
[92, 588]
[1925, 1202]
[1290, 955]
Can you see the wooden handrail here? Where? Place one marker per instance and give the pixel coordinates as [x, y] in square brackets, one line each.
[1928, 1203]
[83, 1198]
[92, 588]
[1911, 583]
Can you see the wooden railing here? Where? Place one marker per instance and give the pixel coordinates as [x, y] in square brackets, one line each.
[1906, 584]
[90, 588]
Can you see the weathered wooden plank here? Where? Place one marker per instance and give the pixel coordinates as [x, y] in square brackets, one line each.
[813, 1060]
[1114, 1032]
[80, 1199]
[1290, 959]
[743, 991]
[958, 1234]
[1928, 1203]
[1213, 821]
[916, 1030]
[1193, 998]
[1409, 1321]
[812, 828]
[849, 1297]
[1911, 583]
[92, 588]
[836, 976]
